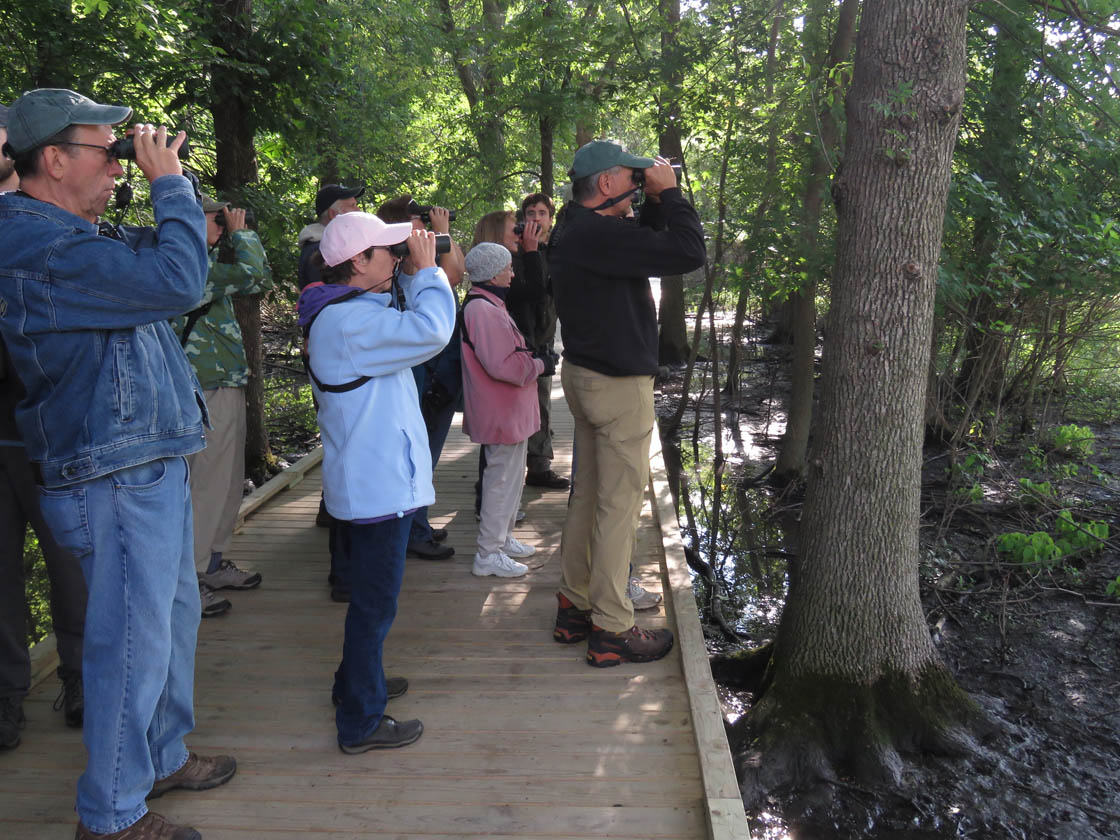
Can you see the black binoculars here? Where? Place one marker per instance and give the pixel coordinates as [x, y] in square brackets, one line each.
[250, 219]
[424, 211]
[639, 175]
[443, 245]
[125, 149]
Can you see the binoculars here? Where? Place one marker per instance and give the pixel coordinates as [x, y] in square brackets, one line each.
[443, 245]
[424, 211]
[125, 149]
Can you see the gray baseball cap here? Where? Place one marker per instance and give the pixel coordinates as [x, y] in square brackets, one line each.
[3, 116]
[600, 155]
[40, 114]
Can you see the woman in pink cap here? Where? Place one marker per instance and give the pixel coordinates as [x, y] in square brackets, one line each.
[376, 468]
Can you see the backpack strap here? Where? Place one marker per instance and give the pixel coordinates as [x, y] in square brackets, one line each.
[462, 325]
[345, 386]
[192, 318]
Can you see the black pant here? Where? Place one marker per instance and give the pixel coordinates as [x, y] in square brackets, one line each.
[19, 504]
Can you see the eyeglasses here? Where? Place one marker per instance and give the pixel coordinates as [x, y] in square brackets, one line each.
[108, 150]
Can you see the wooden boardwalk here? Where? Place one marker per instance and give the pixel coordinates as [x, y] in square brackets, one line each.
[521, 738]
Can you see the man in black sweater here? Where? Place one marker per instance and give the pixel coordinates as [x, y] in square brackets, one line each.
[601, 264]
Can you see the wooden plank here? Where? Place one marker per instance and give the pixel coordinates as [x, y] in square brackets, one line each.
[727, 817]
[522, 739]
[288, 478]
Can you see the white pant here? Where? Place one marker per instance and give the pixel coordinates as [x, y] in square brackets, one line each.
[502, 483]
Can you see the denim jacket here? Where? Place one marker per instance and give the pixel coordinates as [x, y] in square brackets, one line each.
[85, 320]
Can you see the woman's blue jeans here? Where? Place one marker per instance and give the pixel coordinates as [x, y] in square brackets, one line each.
[374, 571]
[132, 532]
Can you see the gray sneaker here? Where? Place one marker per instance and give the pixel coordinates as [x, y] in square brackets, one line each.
[642, 598]
[212, 603]
[228, 576]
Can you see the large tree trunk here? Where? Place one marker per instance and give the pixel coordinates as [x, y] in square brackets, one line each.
[672, 336]
[803, 304]
[236, 167]
[854, 677]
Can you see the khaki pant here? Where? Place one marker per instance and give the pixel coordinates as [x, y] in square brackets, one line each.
[613, 424]
[218, 474]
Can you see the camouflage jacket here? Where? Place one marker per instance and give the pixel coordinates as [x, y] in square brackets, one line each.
[214, 347]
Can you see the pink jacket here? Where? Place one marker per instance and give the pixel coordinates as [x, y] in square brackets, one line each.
[499, 379]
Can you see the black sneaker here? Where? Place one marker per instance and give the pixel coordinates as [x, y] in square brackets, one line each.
[390, 733]
[439, 534]
[11, 721]
[605, 648]
[572, 625]
[430, 550]
[394, 686]
[70, 699]
[548, 480]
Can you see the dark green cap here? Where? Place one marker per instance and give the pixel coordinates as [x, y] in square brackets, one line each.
[600, 155]
[40, 114]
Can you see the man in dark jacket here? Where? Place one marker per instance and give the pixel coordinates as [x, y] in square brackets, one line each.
[332, 200]
[601, 264]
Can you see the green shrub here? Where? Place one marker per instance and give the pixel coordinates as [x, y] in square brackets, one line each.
[1073, 441]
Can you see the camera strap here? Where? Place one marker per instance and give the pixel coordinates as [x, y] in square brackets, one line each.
[618, 199]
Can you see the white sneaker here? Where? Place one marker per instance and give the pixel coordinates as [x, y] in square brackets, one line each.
[516, 549]
[497, 564]
[641, 598]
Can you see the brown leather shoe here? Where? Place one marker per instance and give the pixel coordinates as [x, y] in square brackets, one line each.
[151, 826]
[605, 648]
[201, 772]
[572, 625]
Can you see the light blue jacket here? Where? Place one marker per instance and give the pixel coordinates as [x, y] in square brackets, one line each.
[375, 447]
[85, 320]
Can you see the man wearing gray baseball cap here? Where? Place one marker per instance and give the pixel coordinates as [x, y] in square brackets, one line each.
[112, 409]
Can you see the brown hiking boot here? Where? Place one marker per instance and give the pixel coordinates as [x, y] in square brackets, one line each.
[572, 625]
[605, 648]
[149, 827]
[201, 772]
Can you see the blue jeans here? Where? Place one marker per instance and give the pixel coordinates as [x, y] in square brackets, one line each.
[132, 532]
[374, 570]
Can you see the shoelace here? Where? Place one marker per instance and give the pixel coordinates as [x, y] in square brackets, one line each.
[69, 685]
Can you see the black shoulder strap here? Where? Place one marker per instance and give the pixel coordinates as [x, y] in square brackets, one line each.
[345, 386]
[463, 322]
[192, 318]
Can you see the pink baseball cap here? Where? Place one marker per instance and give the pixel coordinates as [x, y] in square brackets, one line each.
[351, 233]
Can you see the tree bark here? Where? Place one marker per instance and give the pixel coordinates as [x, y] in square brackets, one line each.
[672, 336]
[854, 677]
[236, 167]
[803, 303]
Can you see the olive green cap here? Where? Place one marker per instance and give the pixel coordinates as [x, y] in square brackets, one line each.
[600, 155]
[40, 114]
[212, 205]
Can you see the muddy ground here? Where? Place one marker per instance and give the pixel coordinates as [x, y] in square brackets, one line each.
[1038, 649]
